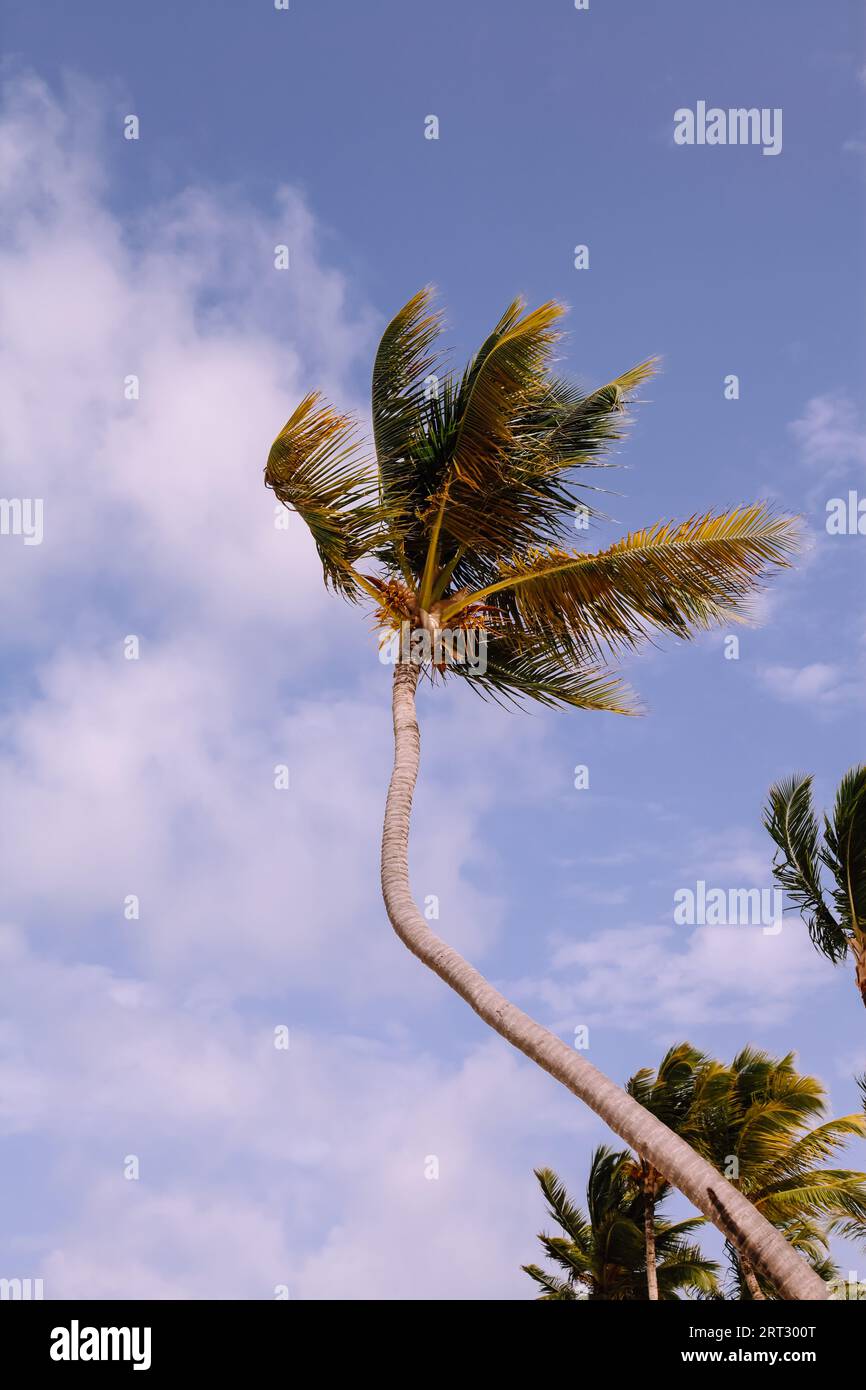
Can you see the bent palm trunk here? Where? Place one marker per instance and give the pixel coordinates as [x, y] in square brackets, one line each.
[741, 1223]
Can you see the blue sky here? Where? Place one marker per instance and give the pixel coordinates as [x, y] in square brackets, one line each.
[258, 908]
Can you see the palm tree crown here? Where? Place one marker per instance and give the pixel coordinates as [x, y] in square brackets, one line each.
[836, 926]
[602, 1255]
[756, 1124]
[470, 507]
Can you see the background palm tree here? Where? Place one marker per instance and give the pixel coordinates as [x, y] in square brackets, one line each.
[670, 1094]
[467, 509]
[602, 1255]
[756, 1120]
[790, 818]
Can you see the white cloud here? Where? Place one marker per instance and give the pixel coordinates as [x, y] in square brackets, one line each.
[821, 684]
[678, 978]
[155, 777]
[259, 1166]
[830, 434]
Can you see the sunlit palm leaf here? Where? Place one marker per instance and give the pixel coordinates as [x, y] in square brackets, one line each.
[503, 379]
[317, 468]
[671, 578]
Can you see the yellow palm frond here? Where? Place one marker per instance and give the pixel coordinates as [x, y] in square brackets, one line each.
[317, 467]
[673, 577]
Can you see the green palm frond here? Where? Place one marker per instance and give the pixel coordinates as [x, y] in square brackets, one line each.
[839, 1194]
[845, 851]
[604, 1258]
[793, 826]
[610, 1188]
[818, 1144]
[571, 1257]
[669, 1092]
[403, 366]
[563, 1211]
[587, 425]
[672, 1236]
[687, 1268]
[554, 1289]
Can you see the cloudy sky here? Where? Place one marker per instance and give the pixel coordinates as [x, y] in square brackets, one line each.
[152, 1037]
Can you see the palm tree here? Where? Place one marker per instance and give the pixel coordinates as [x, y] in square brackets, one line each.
[603, 1254]
[756, 1123]
[670, 1094]
[470, 499]
[790, 818]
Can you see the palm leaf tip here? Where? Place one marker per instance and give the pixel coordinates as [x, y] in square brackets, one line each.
[317, 468]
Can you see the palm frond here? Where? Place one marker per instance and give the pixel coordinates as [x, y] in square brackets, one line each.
[845, 851]
[687, 1267]
[554, 1289]
[563, 1211]
[501, 381]
[404, 362]
[569, 1256]
[587, 425]
[670, 578]
[532, 669]
[793, 826]
[823, 1193]
[814, 1146]
[316, 467]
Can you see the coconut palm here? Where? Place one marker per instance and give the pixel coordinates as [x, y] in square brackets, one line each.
[837, 926]
[466, 512]
[670, 1093]
[757, 1125]
[602, 1254]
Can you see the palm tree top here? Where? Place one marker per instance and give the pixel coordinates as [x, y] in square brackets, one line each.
[836, 922]
[468, 504]
[602, 1253]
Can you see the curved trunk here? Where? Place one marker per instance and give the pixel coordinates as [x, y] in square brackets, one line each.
[731, 1212]
[649, 1231]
